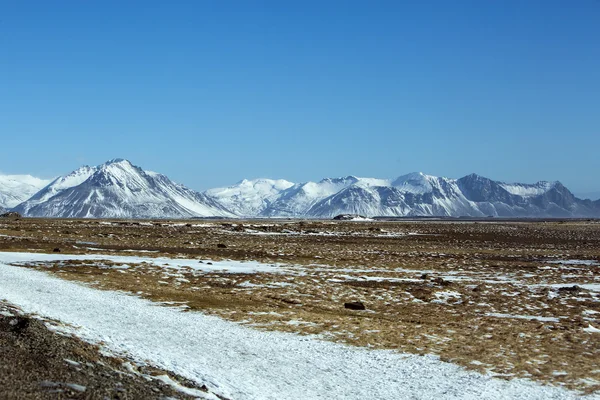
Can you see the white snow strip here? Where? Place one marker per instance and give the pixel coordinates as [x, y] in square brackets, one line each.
[228, 266]
[591, 329]
[180, 388]
[575, 262]
[241, 363]
[528, 317]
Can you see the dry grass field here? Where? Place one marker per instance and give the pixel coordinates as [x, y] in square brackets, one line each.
[514, 299]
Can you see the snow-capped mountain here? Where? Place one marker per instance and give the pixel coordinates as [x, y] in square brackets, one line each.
[249, 197]
[118, 189]
[414, 194]
[57, 186]
[15, 189]
[297, 200]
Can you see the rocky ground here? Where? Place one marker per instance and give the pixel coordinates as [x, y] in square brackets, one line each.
[515, 299]
[38, 363]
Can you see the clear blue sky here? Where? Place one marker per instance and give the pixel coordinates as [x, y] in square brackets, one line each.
[210, 92]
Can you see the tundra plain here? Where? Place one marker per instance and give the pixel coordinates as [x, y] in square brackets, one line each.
[515, 299]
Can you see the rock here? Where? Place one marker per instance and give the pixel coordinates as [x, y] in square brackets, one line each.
[424, 276]
[56, 250]
[11, 214]
[355, 305]
[441, 281]
[222, 246]
[569, 289]
[19, 324]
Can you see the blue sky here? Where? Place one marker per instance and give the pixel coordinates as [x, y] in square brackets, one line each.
[210, 92]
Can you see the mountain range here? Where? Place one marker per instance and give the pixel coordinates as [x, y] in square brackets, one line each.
[119, 189]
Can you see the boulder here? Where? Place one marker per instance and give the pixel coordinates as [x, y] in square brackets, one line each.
[355, 305]
[569, 289]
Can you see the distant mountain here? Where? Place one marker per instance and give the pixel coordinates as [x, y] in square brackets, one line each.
[249, 197]
[15, 189]
[589, 195]
[414, 194]
[118, 189]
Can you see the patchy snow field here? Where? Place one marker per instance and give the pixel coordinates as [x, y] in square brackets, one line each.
[228, 266]
[238, 362]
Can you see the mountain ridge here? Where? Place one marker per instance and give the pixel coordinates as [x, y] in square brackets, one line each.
[119, 189]
[419, 194]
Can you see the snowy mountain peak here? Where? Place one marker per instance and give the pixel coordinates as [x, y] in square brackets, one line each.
[15, 189]
[249, 197]
[415, 182]
[263, 182]
[118, 189]
[117, 161]
[119, 164]
[344, 180]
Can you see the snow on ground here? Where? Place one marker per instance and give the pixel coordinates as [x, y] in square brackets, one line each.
[527, 317]
[241, 363]
[591, 329]
[590, 263]
[228, 266]
[359, 218]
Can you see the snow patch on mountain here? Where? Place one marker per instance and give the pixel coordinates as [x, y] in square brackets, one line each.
[525, 190]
